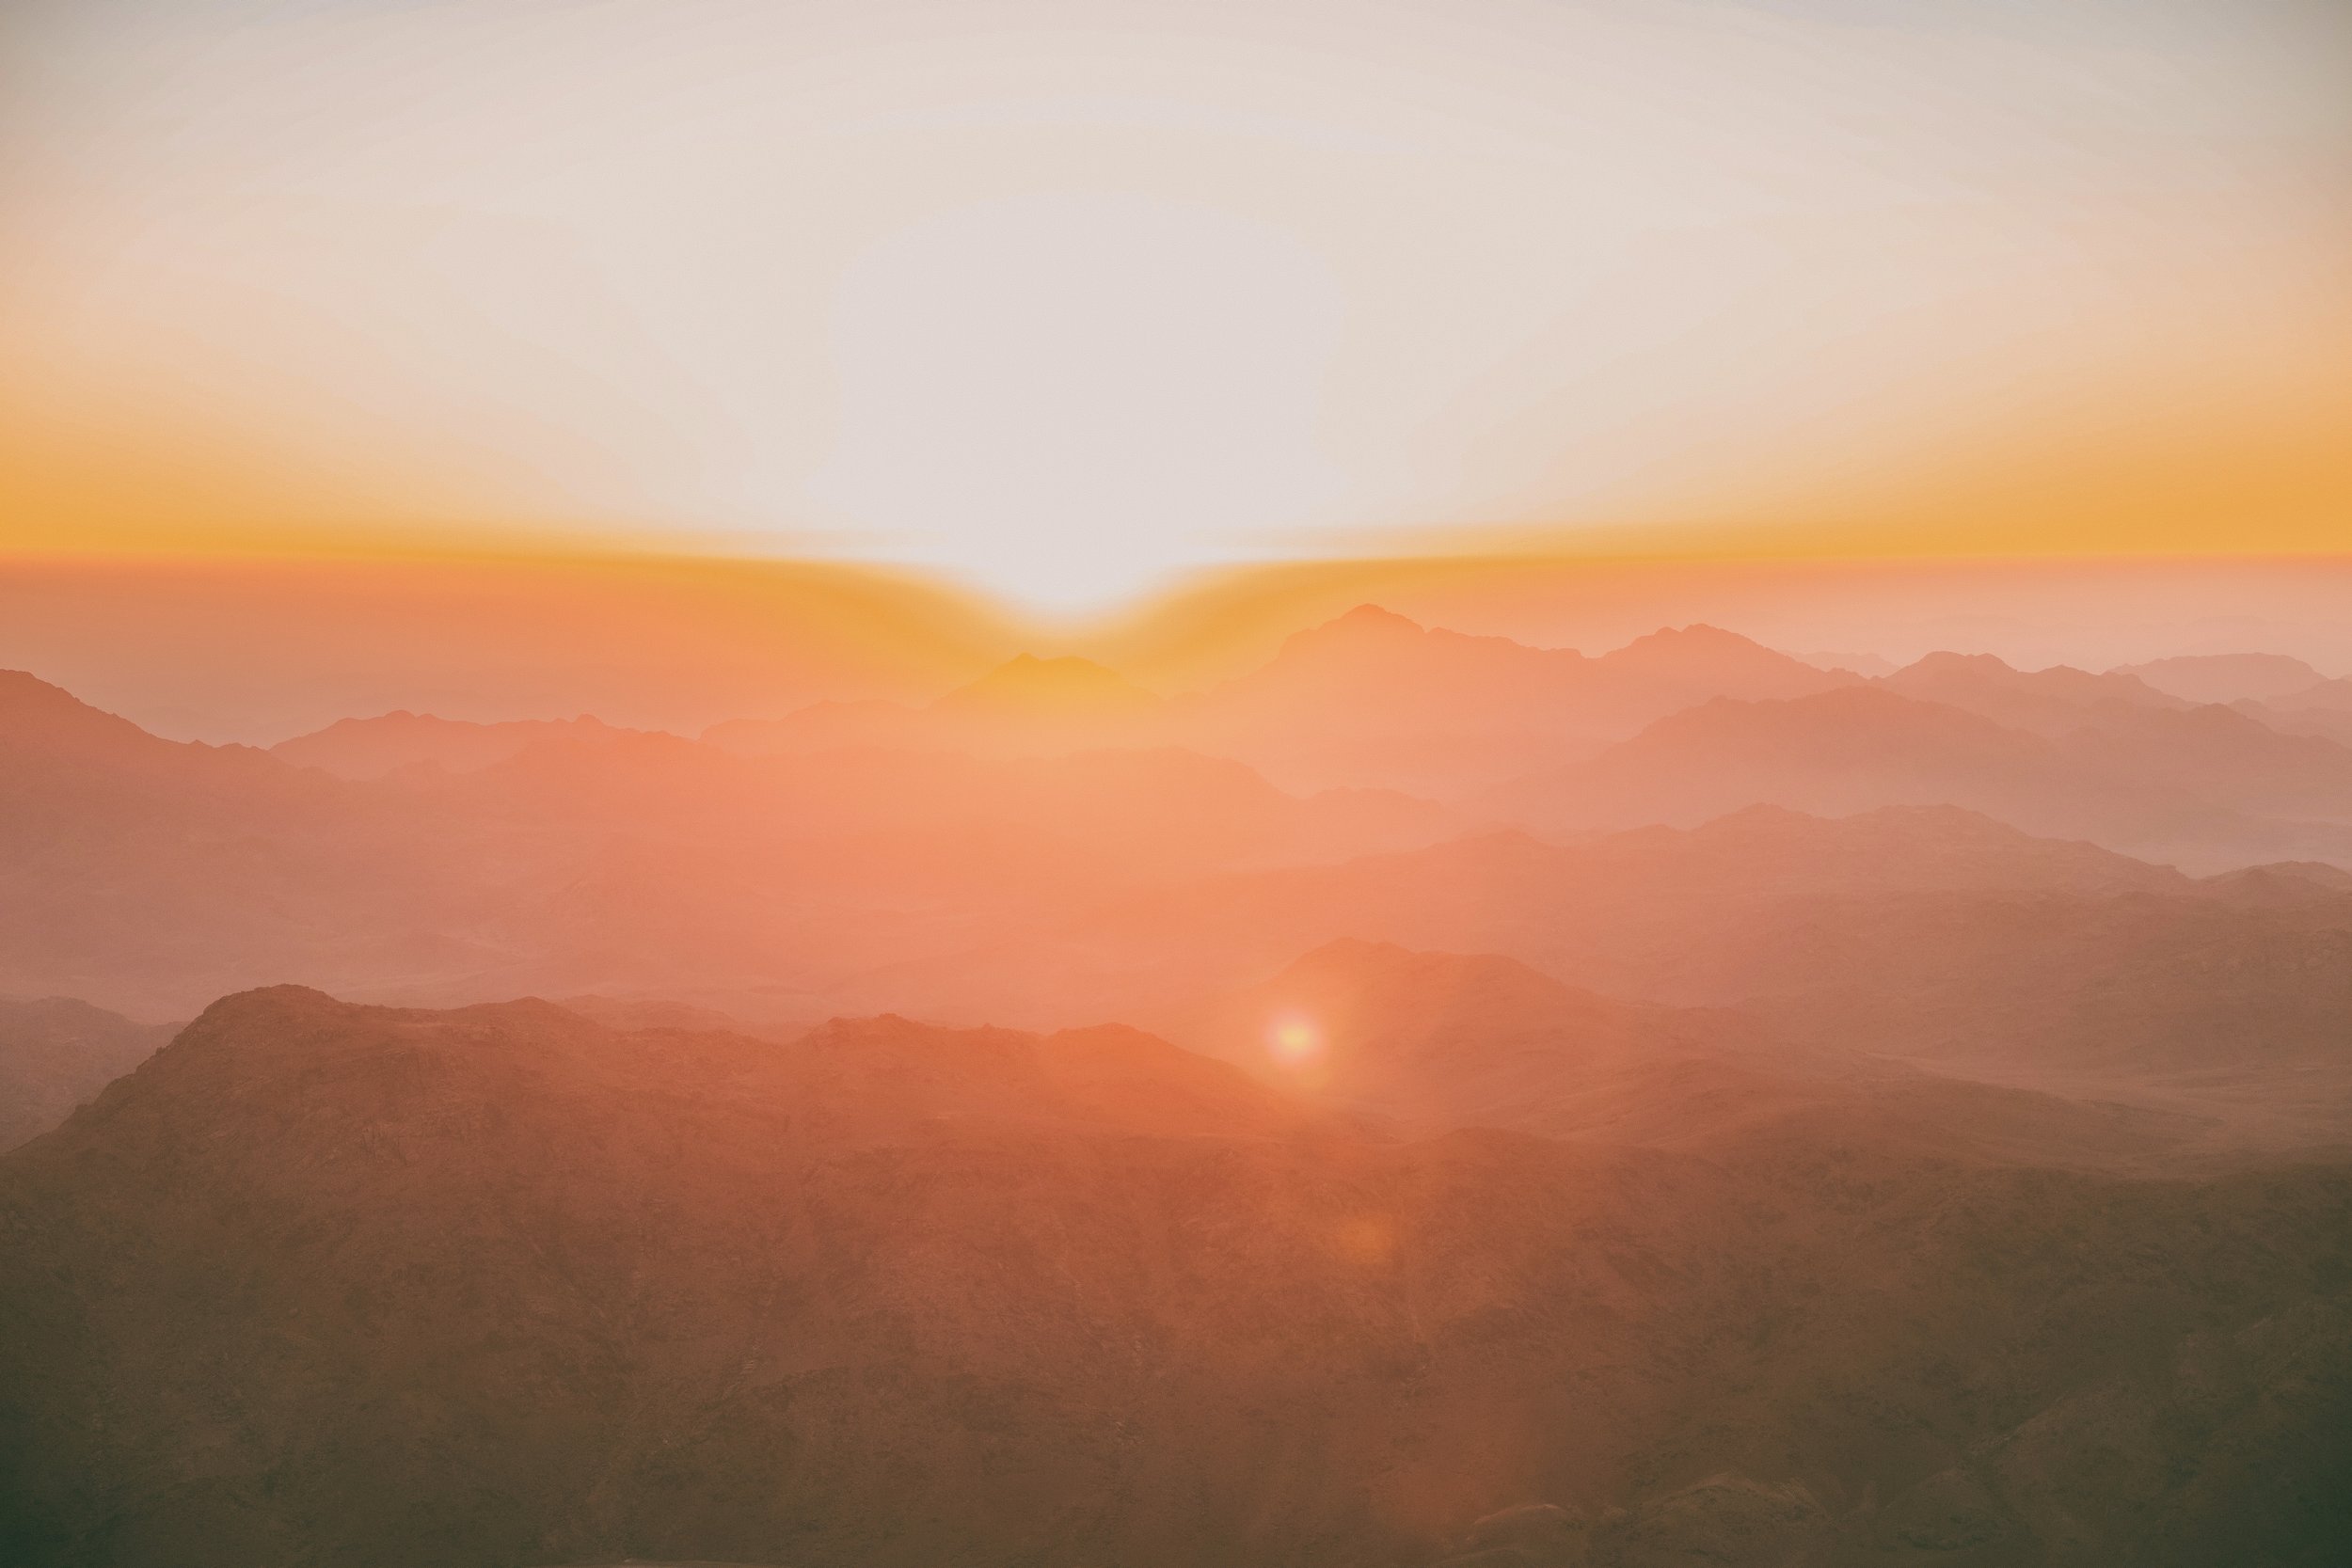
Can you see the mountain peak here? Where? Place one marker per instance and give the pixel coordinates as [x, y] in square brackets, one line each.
[1366, 623]
[38, 717]
[33, 708]
[1371, 617]
[1698, 646]
[1943, 658]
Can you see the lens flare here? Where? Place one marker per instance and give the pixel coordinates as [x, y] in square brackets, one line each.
[1294, 1040]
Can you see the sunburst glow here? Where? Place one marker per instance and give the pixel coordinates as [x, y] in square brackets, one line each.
[1062, 300]
[1294, 1040]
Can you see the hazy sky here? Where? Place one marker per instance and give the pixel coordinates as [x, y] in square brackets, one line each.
[1062, 299]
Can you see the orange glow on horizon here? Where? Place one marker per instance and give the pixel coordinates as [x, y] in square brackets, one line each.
[1073, 318]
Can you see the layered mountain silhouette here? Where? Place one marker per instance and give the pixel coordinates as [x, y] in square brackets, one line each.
[1024, 707]
[1373, 698]
[151, 875]
[2056, 702]
[2204, 787]
[2234, 678]
[1435, 1042]
[1625, 912]
[1426, 1100]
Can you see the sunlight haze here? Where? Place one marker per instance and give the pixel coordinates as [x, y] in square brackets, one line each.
[1062, 300]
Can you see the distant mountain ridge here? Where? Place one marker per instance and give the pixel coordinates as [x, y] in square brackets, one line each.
[2229, 677]
[147, 875]
[2205, 787]
[1623, 912]
[372, 748]
[55, 1053]
[1372, 697]
[1435, 1042]
[1369, 699]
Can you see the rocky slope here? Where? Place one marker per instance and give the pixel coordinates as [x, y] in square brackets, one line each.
[330, 1284]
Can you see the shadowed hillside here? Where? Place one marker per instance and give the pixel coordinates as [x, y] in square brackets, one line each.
[499, 1285]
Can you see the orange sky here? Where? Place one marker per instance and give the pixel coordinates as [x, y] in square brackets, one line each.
[1071, 303]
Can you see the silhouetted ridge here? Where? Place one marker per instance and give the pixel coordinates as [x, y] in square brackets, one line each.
[38, 717]
[372, 748]
[2228, 677]
[1697, 644]
[1368, 618]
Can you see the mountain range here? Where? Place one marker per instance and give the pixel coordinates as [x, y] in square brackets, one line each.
[1428, 1100]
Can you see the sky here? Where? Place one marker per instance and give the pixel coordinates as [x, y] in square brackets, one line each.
[1063, 302]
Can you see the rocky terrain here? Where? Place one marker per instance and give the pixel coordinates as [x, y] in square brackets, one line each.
[328, 1283]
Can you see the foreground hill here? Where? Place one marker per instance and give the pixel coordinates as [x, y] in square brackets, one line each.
[363, 1286]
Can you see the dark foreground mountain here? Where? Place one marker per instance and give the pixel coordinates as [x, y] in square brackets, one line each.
[359, 1286]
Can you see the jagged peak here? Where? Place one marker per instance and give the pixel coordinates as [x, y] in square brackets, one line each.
[1945, 658]
[1365, 623]
[46, 716]
[1696, 640]
[22, 692]
[1370, 615]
